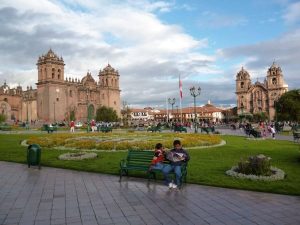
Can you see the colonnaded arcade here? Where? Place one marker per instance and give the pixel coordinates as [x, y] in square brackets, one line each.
[56, 96]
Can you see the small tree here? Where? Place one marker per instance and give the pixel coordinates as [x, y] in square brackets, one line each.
[260, 117]
[2, 118]
[106, 114]
[125, 113]
[288, 106]
[72, 115]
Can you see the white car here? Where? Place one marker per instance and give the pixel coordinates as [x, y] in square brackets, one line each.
[78, 124]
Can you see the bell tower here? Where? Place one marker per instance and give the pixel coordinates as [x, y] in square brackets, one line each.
[110, 89]
[50, 97]
[243, 83]
[276, 87]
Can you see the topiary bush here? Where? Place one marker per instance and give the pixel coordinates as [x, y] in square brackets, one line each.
[258, 165]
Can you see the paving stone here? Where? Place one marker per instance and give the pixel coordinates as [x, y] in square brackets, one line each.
[57, 196]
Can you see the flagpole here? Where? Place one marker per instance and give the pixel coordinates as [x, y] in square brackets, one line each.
[167, 110]
[180, 99]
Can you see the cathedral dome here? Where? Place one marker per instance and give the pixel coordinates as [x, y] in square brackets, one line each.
[109, 70]
[243, 74]
[50, 57]
[88, 79]
[274, 67]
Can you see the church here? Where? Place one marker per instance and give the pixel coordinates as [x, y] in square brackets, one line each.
[57, 97]
[259, 97]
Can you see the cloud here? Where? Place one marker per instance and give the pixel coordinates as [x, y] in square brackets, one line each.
[285, 50]
[292, 13]
[88, 34]
[215, 20]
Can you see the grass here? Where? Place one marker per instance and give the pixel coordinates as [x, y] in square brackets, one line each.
[207, 166]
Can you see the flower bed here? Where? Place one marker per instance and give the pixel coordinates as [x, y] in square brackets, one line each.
[121, 141]
[278, 174]
[256, 167]
[78, 156]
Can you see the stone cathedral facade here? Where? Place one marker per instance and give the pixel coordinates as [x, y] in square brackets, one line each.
[259, 97]
[57, 96]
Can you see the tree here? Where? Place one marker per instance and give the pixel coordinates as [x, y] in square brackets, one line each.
[288, 106]
[125, 113]
[2, 118]
[72, 115]
[260, 117]
[106, 114]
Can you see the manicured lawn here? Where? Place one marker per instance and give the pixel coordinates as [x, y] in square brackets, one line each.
[207, 166]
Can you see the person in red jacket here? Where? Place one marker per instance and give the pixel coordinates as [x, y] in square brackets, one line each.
[72, 126]
[158, 158]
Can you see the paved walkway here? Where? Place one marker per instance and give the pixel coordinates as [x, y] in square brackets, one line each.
[57, 196]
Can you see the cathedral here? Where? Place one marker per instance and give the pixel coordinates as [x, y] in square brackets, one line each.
[259, 97]
[57, 97]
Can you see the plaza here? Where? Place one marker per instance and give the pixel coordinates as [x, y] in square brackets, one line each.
[58, 196]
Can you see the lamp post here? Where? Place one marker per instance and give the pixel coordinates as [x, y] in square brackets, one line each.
[195, 92]
[87, 116]
[26, 99]
[54, 102]
[242, 113]
[172, 102]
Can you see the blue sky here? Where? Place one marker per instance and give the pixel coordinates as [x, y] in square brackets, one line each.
[152, 42]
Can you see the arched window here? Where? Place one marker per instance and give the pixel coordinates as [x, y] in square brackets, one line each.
[70, 93]
[274, 81]
[242, 84]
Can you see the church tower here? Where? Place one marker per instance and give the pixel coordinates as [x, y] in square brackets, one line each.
[275, 85]
[110, 90]
[51, 97]
[243, 83]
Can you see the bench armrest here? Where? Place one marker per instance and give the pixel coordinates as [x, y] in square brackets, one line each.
[123, 163]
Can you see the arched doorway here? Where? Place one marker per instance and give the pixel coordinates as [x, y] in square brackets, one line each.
[5, 110]
[91, 112]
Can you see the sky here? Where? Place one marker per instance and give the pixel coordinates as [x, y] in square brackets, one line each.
[153, 42]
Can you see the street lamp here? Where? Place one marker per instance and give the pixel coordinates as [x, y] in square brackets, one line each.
[172, 102]
[26, 99]
[57, 99]
[242, 113]
[87, 104]
[195, 92]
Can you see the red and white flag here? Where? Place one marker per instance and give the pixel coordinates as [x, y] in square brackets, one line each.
[180, 88]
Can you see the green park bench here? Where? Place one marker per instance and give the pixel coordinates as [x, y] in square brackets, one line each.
[253, 132]
[5, 127]
[180, 129]
[104, 129]
[48, 128]
[154, 129]
[138, 160]
[296, 136]
[207, 129]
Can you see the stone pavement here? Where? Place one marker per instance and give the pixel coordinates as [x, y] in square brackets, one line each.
[57, 196]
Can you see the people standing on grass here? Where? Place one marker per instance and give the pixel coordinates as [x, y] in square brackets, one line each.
[177, 156]
[72, 126]
[93, 126]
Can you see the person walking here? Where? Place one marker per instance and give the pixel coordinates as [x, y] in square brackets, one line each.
[272, 129]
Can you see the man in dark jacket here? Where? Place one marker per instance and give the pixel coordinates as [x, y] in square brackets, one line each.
[177, 157]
